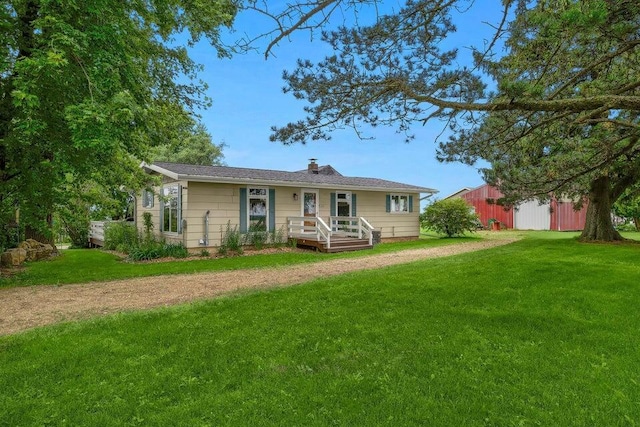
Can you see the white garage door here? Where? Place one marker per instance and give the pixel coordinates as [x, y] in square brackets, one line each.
[532, 216]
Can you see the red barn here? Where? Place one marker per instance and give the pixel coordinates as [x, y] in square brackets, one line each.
[557, 215]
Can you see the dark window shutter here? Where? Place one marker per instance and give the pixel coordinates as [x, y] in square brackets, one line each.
[272, 209]
[243, 210]
[410, 203]
[353, 205]
[334, 207]
[147, 198]
[179, 209]
[161, 200]
[388, 202]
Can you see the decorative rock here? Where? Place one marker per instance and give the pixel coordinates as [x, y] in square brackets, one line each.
[29, 250]
[13, 257]
[44, 251]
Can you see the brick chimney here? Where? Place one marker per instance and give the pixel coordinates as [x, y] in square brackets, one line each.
[313, 166]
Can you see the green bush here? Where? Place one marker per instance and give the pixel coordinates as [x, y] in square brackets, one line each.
[121, 236]
[146, 252]
[10, 236]
[157, 249]
[174, 250]
[256, 236]
[626, 227]
[292, 243]
[148, 225]
[124, 237]
[231, 240]
[75, 224]
[278, 237]
[450, 217]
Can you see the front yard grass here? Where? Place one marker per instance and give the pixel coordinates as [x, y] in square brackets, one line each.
[89, 265]
[539, 332]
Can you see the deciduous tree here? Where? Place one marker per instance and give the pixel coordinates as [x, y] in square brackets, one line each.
[628, 206]
[86, 87]
[450, 217]
[194, 147]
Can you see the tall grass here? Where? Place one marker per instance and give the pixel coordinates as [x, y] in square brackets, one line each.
[126, 238]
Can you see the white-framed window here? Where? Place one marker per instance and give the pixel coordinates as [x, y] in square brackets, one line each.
[147, 198]
[171, 209]
[257, 202]
[399, 203]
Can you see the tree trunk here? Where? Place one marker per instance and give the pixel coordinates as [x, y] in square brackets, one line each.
[598, 225]
[636, 222]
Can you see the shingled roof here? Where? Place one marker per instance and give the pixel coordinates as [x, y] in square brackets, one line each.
[232, 175]
[323, 170]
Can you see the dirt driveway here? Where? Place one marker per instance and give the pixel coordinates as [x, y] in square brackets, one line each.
[29, 307]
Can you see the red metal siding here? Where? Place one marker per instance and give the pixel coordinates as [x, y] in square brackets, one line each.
[485, 210]
[565, 218]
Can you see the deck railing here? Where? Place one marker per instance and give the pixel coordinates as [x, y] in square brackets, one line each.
[97, 229]
[96, 232]
[304, 226]
[352, 226]
[301, 227]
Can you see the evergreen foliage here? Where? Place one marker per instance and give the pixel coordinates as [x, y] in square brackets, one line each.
[563, 119]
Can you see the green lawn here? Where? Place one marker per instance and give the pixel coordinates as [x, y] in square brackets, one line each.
[541, 332]
[88, 265]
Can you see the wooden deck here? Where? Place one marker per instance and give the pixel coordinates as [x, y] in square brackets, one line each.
[344, 234]
[96, 233]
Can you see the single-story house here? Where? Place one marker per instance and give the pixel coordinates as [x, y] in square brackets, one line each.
[557, 214]
[195, 204]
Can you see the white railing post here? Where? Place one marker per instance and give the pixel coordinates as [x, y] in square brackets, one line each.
[323, 228]
[352, 227]
[369, 229]
[297, 228]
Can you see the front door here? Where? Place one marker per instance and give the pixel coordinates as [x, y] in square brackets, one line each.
[310, 199]
[343, 208]
[343, 203]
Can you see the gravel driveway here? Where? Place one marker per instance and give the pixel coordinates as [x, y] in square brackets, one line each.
[29, 307]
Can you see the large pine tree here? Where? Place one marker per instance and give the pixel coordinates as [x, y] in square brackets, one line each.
[563, 119]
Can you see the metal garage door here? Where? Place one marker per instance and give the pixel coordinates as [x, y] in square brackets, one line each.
[532, 216]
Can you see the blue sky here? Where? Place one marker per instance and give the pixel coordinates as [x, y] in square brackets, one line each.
[248, 99]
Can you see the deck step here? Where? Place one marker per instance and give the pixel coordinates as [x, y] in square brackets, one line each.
[341, 244]
[334, 249]
[352, 242]
[347, 244]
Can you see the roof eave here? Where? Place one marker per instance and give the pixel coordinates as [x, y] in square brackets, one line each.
[303, 184]
[162, 171]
